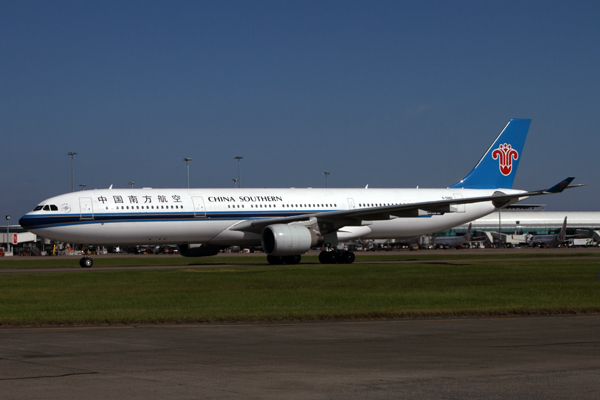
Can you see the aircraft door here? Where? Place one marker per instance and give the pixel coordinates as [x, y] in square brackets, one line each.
[86, 208]
[459, 207]
[199, 208]
[351, 204]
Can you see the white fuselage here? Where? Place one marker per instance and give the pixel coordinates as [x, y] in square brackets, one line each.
[186, 216]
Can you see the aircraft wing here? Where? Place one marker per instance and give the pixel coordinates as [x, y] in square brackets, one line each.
[334, 220]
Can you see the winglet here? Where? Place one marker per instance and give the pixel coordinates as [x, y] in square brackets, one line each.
[559, 187]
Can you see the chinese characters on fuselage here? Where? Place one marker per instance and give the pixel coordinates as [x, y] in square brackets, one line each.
[141, 199]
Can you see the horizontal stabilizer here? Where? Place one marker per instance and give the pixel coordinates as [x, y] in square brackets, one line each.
[559, 187]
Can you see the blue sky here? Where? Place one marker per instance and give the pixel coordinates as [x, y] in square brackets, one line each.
[390, 94]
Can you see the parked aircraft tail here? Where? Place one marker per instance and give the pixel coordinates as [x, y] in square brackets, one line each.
[498, 166]
[562, 236]
[468, 236]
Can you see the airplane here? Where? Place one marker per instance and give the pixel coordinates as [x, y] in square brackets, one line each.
[551, 240]
[453, 241]
[285, 222]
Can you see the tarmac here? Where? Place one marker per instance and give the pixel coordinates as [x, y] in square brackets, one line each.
[554, 357]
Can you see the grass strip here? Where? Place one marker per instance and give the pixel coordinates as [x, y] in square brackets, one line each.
[301, 293]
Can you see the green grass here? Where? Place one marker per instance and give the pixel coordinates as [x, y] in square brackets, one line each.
[301, 292]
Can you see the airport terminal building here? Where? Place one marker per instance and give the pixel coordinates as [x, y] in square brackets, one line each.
[514, 224]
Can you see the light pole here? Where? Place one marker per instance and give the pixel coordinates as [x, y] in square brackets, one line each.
[7, 220]
[72, 172]
[500, 226]
[131, 184]
[326, 176]
[187, 163]
[234, 182]
[239, 170]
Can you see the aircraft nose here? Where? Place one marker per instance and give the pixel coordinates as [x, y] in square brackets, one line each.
[24, 221]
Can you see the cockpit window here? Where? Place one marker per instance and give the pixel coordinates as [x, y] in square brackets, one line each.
[53, 207]
[38, 208]
[46, 208]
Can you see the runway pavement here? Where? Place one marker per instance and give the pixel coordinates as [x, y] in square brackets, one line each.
[554, 357]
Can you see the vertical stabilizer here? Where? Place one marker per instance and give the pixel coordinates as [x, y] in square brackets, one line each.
[498, 166]
[562, 236]
[468, 234]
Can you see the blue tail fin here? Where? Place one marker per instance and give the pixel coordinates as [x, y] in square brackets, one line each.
[498, 166]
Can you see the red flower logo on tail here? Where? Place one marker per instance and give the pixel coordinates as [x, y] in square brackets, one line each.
[506, 154]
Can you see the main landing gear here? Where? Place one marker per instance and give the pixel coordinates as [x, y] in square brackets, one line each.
[325, 257]
[280, 260]
[336, 257]
[86, 262]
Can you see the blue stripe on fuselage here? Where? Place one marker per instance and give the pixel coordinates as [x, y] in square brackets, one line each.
[47, 221]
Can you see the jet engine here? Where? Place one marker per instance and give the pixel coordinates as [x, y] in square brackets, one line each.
[198, 250]
[287, 240]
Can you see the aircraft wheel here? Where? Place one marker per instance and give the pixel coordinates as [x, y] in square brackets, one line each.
[323, 257]
[275, 260]
[328, 257]
[347, 257]
[86, 262]
[334, 257]
[292, 259]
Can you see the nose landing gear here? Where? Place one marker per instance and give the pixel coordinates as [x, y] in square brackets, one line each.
[86, 262]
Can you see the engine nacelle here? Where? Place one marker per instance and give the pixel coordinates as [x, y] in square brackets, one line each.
[198, 250]
[501, 203]
[287, 240]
